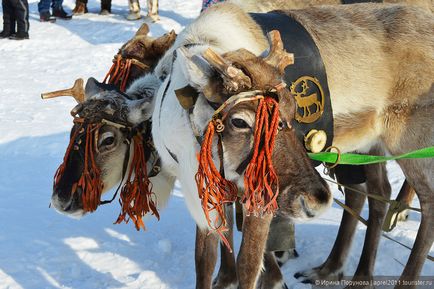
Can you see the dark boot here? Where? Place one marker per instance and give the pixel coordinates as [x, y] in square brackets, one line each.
[106, 7]
[60, 13]
[19, 36]
[5, 34]
[80, 7]
[46, 17]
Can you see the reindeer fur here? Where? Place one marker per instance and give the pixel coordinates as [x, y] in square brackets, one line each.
[380, 71]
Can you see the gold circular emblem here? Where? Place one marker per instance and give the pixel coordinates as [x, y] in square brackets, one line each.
[309, 96]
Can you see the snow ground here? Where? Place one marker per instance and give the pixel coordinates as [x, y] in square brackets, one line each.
[42, 249]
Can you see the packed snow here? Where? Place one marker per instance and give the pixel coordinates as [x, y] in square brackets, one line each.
[40, 248]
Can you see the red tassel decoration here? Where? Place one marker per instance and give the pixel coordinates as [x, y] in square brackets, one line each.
[214, 190]
[260, 179]
[119, 73]
[136, 194]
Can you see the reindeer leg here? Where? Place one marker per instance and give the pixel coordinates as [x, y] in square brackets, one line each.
[377, 183]
[280, 242]
[249, 262]
[406, 195]
[419, 175]
[415, 132]
[423, 243]
[332, 268]
[271, 277]
[227, 275]
[205, 257]
[421, 179]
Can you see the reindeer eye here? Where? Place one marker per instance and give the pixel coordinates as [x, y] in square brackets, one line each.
[239, 123]
[106, 139]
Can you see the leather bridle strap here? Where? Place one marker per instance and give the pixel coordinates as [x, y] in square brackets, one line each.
[124, 172]
[174, 56]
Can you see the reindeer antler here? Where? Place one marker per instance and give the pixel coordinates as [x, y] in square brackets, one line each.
[277, 56]
[233, 77]
[77, 91]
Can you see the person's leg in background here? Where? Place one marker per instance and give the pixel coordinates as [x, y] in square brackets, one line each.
[21, 9]
[153, 10]
[106, 7]
[80, 7]
[8, 19]
[134, 13]
[44, 11]
[58, 10]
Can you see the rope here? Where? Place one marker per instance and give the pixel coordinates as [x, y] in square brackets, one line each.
[357, 159]
[372, 196]
[365, 222]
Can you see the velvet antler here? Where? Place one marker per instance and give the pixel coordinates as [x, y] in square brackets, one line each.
[77, 91]
[277, 56]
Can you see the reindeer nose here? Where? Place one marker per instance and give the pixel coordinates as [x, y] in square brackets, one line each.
[315, 200]
[322, 193]
[304, 203]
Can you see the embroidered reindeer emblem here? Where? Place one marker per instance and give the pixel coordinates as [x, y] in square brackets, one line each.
[308, 93]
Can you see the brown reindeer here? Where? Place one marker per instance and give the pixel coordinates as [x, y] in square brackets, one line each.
[144, 52]
[358, 61]
[138, 56]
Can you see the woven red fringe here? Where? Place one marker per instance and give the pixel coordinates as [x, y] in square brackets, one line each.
[90, 180]
[214, 190]
[119, 73]
[136, 195]
[260, 179]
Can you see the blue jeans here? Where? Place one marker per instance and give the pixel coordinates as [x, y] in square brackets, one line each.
[44, 5]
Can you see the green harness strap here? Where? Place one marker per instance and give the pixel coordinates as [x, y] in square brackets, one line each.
[357, 159]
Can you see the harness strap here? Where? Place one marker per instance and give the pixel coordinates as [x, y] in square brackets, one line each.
[365, 222]
[124, 172]
[306, 78]
[357, 159]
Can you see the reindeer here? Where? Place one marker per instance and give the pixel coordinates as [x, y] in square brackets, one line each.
[364, 121]
[99, 100]
[138, 56]
[131, 91]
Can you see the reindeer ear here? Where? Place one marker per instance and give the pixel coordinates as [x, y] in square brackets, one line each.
[144, 87]
[195, 69]
[164, 42]
[92, 87]
[140, 110]
[187, 96]
[142, 94]
[233, 78]
[143, 30]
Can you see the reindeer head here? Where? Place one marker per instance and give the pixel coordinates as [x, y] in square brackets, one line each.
[145, 50]
[108, 128]
[260, 150]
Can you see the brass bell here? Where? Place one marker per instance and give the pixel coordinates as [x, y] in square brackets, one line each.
[315, 140]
